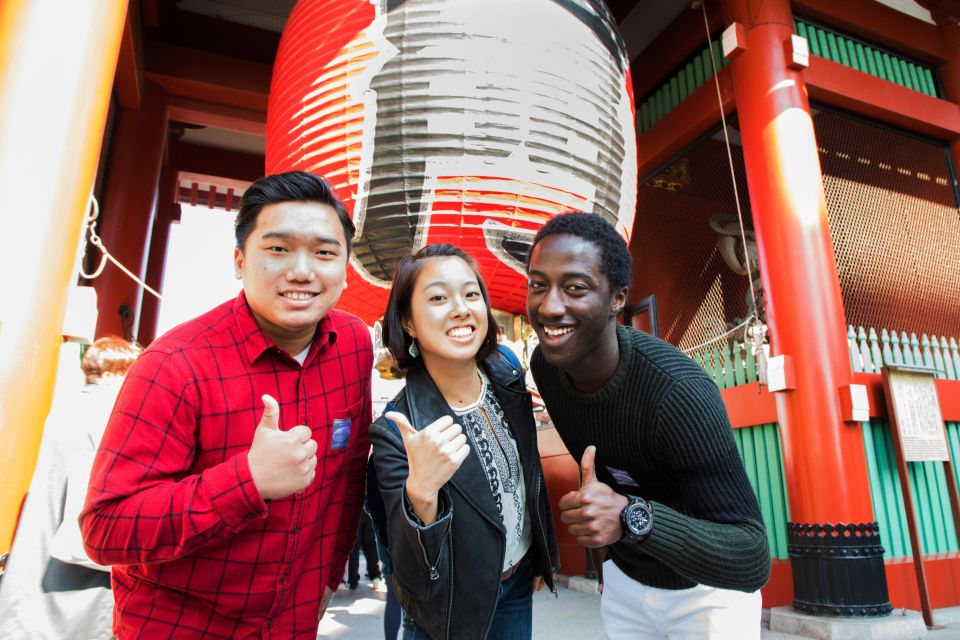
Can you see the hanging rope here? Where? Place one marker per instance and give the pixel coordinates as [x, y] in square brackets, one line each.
[733, 176]
[754, 330]
[745, 323]
[95, 240]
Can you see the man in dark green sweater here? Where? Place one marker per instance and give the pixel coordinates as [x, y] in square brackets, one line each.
[663, 487]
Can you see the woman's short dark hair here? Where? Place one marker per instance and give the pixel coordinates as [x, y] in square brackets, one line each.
[292, 186]
[395, 337]
[615, 259]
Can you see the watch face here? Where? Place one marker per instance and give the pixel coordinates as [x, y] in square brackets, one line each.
[638, 519]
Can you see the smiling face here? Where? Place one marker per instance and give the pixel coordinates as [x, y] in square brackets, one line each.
[448, 315]
[571, 307]
[293, 266]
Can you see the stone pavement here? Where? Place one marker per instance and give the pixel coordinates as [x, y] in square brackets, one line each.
[358, 615]
[573, 614]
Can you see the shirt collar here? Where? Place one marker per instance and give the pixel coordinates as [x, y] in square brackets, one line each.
[256, 341]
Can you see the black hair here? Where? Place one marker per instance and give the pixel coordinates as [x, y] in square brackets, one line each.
[395, 337]
[292, 186]
[615, 259]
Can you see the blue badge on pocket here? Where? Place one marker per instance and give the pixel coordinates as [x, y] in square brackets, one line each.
[341, 433]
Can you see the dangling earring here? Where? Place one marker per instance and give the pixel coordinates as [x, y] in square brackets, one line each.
[412, 349]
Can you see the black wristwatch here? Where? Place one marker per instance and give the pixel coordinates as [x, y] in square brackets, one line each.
[637, 520]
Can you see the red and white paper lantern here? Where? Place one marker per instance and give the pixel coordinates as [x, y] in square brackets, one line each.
[455, 121]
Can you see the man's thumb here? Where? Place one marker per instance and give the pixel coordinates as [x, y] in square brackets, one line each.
[271, 413]
[586, 465]
[403, 424]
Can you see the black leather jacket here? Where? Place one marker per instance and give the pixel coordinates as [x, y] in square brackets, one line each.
[447, 575]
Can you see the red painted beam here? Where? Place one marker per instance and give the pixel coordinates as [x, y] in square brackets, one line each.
[685, 36]
[232, 39]
[136, 158]
[211, 77]
[129, 78]
[211, 114]
[948, 391]
[872, 21]
[778, 591]
[209, 161]
[690, 120]
[861, 93]
[749, 405]
[151, 12]
[943, 581]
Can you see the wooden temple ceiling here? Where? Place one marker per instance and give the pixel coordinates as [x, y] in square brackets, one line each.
[214, 59]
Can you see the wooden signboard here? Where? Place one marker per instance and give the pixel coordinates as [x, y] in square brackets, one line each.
[919, 435]
[917, 412]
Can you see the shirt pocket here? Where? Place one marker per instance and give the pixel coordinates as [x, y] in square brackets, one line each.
[339, 435]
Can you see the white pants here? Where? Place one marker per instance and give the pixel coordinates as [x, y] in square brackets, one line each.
[633, 610]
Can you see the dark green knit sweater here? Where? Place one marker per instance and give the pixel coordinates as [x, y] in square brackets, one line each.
[661, 420]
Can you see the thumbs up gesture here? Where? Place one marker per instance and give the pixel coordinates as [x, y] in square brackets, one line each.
[592, 512]
[433, 455]
[281, 462]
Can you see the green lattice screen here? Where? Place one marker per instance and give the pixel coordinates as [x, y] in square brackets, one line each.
[850, 52]
[824, 42]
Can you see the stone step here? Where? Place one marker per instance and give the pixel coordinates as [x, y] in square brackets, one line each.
[767, 634]
[902, 624]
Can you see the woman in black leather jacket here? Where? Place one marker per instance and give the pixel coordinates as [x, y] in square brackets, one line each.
[467, 517]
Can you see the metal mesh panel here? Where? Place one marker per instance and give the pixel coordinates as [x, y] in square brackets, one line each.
[895, 226]
[675, 248]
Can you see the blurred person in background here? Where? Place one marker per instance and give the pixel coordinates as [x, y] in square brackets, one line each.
[51, 589]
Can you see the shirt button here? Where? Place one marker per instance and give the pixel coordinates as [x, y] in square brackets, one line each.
[283, 577]
[250, 516]
[295, 530]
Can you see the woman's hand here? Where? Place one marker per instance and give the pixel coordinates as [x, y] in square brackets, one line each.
[433, 455]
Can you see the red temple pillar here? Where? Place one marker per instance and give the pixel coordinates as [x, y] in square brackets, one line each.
[57, 62]
[167, 211]
[127, 211]
[824, 458]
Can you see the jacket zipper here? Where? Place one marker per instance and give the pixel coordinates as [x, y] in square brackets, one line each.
[543, 538]
[446, 630]
[433, 573]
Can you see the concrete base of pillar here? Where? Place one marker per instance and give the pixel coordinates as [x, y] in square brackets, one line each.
[902, 624]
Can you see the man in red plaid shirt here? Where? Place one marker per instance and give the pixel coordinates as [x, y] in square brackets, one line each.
[228, 485]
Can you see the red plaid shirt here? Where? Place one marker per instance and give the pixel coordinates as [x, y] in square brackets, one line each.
[171, 503]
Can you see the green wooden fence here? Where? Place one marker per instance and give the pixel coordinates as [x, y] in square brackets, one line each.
[869, 352]
[759, 447]
[734, 363]
[731, 364]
